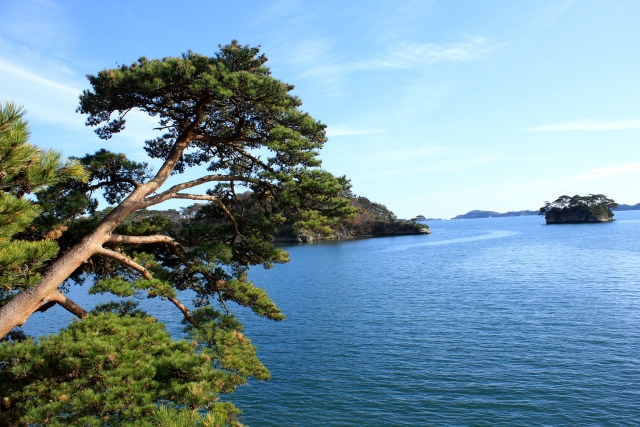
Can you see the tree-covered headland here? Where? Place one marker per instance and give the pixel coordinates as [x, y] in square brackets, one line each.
[371, 219]
[118, 366]
[577, 209]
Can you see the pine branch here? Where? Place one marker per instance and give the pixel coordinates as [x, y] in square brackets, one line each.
[66, 303]
[236, 231]
[171, 192]
[145, 273]
[213, 140]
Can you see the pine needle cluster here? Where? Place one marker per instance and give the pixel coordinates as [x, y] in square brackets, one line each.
[25, 169]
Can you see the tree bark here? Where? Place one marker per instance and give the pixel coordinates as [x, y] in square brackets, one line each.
[63, 301]
[18, 309]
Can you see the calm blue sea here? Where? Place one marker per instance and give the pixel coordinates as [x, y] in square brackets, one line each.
[485, 322]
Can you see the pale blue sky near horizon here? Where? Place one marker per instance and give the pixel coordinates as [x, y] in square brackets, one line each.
[433, 107]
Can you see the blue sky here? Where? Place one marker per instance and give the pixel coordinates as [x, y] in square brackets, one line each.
[432, 107]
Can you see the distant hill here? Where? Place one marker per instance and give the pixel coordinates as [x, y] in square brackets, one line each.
[635, 207]
[491, 214]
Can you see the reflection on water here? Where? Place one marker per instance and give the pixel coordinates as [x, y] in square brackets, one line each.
[492, 234]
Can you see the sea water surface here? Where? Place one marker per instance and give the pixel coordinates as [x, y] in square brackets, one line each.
[485, 322]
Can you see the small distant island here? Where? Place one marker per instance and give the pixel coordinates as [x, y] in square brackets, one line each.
[491, 214]
[578, 209]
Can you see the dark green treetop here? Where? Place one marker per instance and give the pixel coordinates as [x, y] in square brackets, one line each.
[594, 204]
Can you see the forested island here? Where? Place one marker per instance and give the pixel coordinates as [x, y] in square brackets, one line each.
[492, 214]
[371, 220]
[578, 209]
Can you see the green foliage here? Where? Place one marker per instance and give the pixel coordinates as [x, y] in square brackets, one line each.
[220, 337]
[116, 370]
[375, 219]
[593, 204]
[122, 308]
[124, 288]
[24, 168]
[67, 203]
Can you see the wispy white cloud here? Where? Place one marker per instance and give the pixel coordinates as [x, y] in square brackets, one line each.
[571, 184]
[19, 72]
[346, 131]
[409, 154]
[550, 14]
[44, 88]
[317, 59]
[410, 55]
[49, 91]
[581, 183]
[589, 125]
[456, 164]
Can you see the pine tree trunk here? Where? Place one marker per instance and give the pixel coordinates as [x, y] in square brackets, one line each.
[18, 309]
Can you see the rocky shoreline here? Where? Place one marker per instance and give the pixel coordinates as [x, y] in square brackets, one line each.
[575, 218]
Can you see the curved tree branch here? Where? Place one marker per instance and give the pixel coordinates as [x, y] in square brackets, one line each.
[168, 194]
[63, 301]
[139, 240]
[145, 273]
[229, 215]
[229, 143]
[182, 142]
[176, 247]
[126, 261]
[235, 196]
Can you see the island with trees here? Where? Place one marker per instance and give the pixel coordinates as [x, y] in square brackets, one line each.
[578, 209]
[371, 219]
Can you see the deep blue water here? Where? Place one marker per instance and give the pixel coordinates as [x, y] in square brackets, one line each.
[486, 322]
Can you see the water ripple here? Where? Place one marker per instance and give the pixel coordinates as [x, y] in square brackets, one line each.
[497, 322]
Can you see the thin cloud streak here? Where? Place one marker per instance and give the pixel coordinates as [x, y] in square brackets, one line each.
[569, 184]
[316, 57]
[23, 73]
[410, 55]
[345, 131]
[54, 101]
[451, 165]
[589, 125]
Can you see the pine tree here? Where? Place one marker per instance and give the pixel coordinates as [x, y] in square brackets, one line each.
[228, 113]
